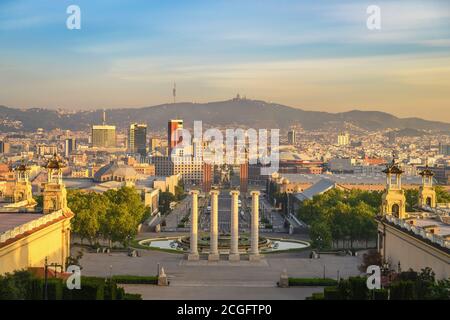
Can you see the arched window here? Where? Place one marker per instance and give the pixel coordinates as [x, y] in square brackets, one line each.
[429, 201]
[395, 210]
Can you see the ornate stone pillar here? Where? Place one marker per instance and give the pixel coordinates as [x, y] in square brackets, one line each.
[254, 250]
[214, 229]
[193, 253]
[234, 248]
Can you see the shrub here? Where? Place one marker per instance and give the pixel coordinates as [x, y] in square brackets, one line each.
[312, 282]
[331, 293]
[54, 289]
[132, 296]
[136, 279]
[403, 290]
[91, 289]
[380, 294]
[358, 288]
[317, 296]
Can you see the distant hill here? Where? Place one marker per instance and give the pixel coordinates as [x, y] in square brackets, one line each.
[252, 113]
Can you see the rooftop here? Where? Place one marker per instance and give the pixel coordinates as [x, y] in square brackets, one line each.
[10, 221]
[348, 178]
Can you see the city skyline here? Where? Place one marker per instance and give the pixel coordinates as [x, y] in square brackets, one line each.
[318, 57]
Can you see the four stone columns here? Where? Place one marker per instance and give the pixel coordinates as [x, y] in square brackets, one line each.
[254, 250]
[234, 248]
[214, 229]
[193, 254]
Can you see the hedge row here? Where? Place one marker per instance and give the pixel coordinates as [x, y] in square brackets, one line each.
[312, 282]
[135, 279]
[91, 289]
[354, 288]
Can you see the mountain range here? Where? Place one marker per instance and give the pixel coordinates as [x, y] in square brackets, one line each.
[235, 112]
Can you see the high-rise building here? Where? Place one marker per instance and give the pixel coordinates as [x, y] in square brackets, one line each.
[174, 137]
[4, 147]
[154, 143]
[103, 136]
[292, 137]
[444, 149]
[137, 138]
[343, 139]
[69, 146]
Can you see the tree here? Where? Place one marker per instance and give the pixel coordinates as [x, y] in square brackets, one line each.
[165, 198]
[348, 213]
[321, 235]
[124, 214]
[114, 215]
[442, 195]
[371, 258]
[90, 209]
[412, 199]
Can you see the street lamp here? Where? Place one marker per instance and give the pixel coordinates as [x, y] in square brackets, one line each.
[46, 265]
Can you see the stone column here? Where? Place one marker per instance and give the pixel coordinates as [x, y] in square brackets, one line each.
[234, 247]
[214, 229]
[193, 253]
[254, 250]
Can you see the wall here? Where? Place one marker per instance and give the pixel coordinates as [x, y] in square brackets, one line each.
[52, 241]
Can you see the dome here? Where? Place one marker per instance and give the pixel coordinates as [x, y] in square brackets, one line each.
[117, 172]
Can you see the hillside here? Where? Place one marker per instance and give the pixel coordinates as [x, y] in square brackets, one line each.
[252, 113]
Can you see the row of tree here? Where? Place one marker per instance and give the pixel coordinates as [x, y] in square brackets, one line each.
[407, 285]
[113, 216]
[341, 215]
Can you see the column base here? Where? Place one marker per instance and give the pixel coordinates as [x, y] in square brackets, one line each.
[213, 257]
[234, 257]
[254, 257]
[193, 257]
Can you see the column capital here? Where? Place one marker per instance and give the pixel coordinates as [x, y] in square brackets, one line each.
[255, 193]
[194, 192]
[214, 192]
[234, 192]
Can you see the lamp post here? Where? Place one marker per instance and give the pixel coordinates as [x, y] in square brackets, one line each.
[46, 265]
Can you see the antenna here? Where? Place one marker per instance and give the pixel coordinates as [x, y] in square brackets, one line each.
[174, 92]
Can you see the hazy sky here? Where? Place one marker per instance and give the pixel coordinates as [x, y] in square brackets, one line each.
[315, 55]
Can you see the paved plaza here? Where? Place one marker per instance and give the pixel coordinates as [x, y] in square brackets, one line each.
[219, 280]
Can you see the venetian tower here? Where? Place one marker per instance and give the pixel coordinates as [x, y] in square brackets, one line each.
[393, 199]
[55, 194]
[427, 195]
[22, 186]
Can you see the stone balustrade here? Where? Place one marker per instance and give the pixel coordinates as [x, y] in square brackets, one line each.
[28, 226]
[421, 232]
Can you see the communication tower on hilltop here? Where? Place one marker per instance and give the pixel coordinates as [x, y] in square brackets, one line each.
[174, 92]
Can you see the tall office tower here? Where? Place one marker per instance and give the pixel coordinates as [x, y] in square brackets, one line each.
[343, 139]
[69, 146]
[137, 137]
[173, 137]
[444, 149]
[103, 136]
[4, 147]
[291, 137]
[154, 143]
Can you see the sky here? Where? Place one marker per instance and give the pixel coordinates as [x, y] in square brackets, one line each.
[314, 55]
